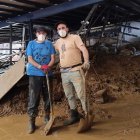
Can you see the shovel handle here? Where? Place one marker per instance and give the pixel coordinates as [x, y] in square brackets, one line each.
[48, 86]
[84, 75]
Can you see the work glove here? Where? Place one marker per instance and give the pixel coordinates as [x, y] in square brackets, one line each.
[86, 65]
[44, 68]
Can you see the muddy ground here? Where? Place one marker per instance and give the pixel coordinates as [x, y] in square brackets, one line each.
[119, 120]
[116, 111]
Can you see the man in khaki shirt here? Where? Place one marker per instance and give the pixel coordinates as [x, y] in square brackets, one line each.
[71, 48]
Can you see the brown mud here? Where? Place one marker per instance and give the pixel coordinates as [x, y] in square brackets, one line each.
[118, 118]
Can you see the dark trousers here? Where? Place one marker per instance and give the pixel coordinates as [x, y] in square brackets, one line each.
[37, 86]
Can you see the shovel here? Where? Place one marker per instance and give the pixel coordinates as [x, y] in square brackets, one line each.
[51, 121]
[85, 123]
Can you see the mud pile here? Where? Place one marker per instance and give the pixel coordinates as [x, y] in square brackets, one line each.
[119, 75]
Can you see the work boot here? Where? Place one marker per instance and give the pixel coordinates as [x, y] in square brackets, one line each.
[74, 117]
[46, 117]
[32, 126]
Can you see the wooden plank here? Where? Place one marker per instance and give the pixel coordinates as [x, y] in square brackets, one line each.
[11, 76]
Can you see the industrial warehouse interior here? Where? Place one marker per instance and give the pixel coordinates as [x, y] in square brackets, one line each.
[110, 30]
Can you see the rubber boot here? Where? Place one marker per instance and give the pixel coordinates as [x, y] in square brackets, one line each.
[46, 117]
[32, 126]
[74, 117]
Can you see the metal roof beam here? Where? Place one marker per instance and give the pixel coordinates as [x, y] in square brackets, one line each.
[12, 5]
[6, 10]
[49, 11]
[33, 3]
[134, 8]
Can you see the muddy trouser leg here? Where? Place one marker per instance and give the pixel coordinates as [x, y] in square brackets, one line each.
[35, 85]
[69, 92]
[68, 89]
[46, 101]
[79, 86]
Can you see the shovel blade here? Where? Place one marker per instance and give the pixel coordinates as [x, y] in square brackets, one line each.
[85, 124]
[90, 121]
[49, 125]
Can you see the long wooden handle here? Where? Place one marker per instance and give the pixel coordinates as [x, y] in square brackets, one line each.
[48, 86]
[84, 75]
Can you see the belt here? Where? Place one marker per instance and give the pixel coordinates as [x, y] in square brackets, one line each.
[71, 66]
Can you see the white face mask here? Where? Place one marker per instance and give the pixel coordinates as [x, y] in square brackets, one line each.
[41, 38]
[62, 33]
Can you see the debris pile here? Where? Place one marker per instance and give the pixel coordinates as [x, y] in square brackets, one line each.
[115, 76]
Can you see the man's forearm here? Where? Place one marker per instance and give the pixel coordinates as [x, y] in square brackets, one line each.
[52, 61]
[34, 63]
[86, 64]
[85, 54]
[30, 60]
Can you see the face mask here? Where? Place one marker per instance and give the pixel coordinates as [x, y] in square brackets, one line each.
[41, 38]
[62, 33]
